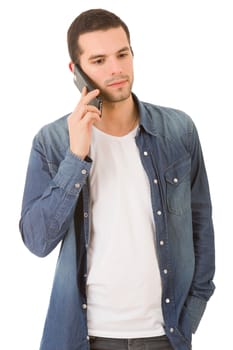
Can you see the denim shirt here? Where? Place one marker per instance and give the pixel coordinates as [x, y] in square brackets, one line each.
[56, 209]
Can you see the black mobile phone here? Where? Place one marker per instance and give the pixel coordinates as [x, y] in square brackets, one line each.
[81, 79]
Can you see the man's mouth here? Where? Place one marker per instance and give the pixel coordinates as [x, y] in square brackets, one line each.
[117, 82]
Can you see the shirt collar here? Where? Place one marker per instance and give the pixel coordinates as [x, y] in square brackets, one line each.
[147, 120]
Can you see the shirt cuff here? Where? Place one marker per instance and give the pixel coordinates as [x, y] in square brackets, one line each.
[73, 173]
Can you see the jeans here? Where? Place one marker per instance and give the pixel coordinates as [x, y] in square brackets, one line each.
[152, 343]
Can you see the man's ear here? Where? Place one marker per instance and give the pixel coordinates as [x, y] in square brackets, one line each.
[71, 67]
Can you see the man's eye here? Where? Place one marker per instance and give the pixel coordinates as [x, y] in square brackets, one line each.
[123, 54]
[99, 61]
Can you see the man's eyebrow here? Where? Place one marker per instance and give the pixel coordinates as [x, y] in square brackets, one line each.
[126, 48]
[98, 56]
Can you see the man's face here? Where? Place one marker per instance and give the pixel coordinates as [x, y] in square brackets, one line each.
[107, 59]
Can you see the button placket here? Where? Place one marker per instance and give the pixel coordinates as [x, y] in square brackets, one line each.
[157, 199]
[159, 212]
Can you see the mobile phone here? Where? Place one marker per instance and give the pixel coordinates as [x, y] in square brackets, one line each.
[81, 79]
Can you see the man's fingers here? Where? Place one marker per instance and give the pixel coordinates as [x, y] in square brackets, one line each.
[90, 118]
[89, 108]
[86, 97]
[84, 91]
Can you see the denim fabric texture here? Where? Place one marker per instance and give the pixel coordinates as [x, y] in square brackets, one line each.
[55, 209]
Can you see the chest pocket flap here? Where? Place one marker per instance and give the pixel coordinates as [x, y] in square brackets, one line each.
[178, 192]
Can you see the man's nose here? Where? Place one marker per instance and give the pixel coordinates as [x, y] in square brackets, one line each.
[115, 67]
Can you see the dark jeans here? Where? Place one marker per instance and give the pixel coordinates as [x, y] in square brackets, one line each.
[153, 343]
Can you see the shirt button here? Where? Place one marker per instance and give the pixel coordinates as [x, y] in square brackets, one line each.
[85, 215]
[155, 181]
[167, 300]
[165, 271]
[161, 242]
[84, 171]
[77, 185]
[171, 330]
[159, 212]
[175, 180]
[145, 153]
[88, 338]
[84, 306]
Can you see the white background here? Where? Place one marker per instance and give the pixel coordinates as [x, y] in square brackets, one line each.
[183, 59]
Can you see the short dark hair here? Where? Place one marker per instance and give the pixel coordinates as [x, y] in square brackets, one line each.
[90, 21]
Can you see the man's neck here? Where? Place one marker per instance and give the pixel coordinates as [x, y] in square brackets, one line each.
[118, 118]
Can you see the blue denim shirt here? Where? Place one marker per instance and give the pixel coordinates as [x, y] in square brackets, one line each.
[55, 209]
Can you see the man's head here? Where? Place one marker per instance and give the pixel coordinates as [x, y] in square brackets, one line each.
[91, 21]
[100, 42]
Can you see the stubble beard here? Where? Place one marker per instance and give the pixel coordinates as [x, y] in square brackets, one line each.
[119, 95]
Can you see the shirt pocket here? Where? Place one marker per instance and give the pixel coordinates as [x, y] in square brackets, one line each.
[178, 189]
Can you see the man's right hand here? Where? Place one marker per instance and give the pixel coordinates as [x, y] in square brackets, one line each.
[80, 123]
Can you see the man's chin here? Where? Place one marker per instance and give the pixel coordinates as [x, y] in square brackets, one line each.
[118, 97]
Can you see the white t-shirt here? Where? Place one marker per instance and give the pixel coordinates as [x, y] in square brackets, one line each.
[123, 282]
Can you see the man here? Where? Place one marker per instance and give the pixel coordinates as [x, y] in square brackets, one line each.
[126, 192]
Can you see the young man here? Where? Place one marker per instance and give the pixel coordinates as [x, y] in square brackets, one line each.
[126, 192]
